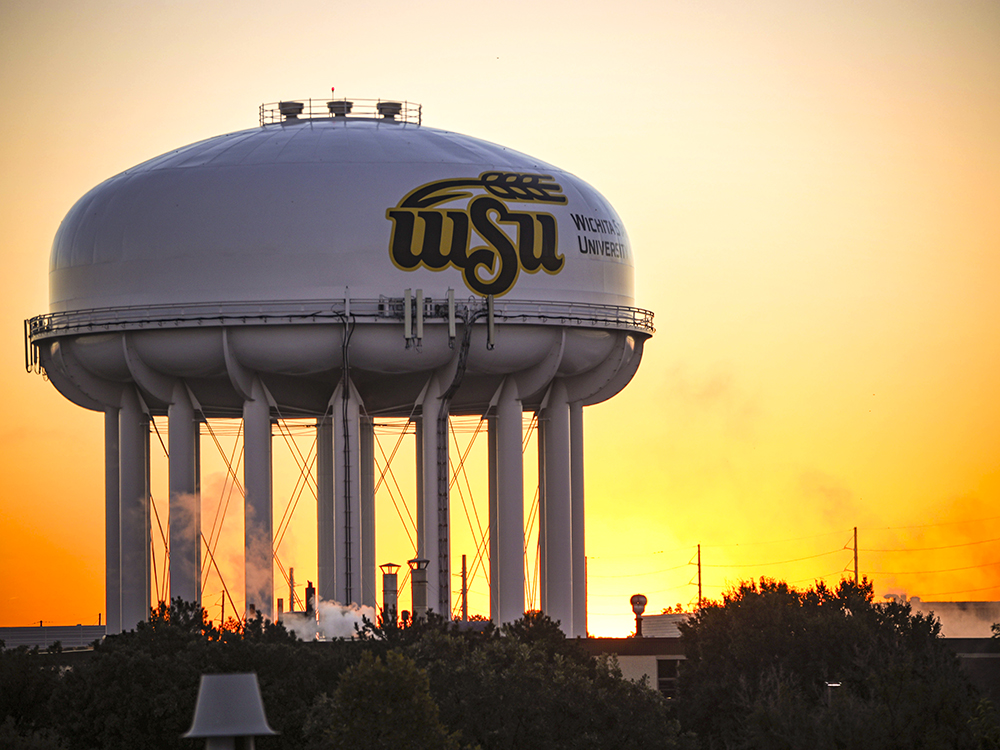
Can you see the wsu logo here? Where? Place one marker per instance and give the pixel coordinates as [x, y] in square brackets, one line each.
[436, 238]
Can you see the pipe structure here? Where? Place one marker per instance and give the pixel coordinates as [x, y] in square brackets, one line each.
[258, 520]
[185, 500]
[112, 524]
[507, 537]
[555, 509]
[133, 477]
[578, 532]
[326, 548]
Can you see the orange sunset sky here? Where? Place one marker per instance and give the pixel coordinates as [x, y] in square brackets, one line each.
[812, 192]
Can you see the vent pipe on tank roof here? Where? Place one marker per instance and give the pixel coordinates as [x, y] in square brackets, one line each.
[340, 108]
[290, 110]
[389, 110]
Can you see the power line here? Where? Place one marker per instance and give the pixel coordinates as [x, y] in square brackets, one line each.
[929, 572]
[964, 591]
[774, 541]
[930, 549]
[639, 575]
[779, 562]
[943, 523]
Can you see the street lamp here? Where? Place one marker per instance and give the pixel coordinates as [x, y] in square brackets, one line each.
[229, 712]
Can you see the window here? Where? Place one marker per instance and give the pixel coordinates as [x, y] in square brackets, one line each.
[666, 676]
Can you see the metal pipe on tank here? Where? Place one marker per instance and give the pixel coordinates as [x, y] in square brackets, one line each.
[258, 523]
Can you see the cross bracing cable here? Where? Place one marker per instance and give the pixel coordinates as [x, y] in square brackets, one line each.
[388, 469]
[225, 588]
[231, 482]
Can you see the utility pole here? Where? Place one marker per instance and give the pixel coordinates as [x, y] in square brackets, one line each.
[699, 576]
[855, 555]
[465, 593]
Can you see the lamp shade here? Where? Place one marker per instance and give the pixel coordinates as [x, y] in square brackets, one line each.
[229, 705]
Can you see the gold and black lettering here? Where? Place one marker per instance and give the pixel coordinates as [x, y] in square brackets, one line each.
[439, 238]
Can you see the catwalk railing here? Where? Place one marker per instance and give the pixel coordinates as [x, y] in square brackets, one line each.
[305, 312]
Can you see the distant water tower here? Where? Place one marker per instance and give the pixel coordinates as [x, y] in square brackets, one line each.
[343, 262]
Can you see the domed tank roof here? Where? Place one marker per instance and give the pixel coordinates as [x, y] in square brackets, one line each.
[309, 208]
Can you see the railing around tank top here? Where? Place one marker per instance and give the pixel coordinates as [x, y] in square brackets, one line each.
[292, 110]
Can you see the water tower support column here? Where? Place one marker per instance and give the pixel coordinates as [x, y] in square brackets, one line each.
[555, 510]
[491, 426]
[112, 524]
[326, 550]
[346, 490]
[185, 503]
[369, 582]
[133, 462]
[432, 516]
[579, 540]
[258, 521]
[507, 537]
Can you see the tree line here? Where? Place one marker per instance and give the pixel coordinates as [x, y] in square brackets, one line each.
[768, 666]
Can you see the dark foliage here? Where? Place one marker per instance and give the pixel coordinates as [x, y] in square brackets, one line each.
[140, 687]
[427, 684]
[774, 667]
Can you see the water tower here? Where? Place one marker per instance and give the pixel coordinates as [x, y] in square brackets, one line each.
[343, 262]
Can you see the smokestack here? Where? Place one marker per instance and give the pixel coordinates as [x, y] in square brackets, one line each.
[310, 598]
[418, 586]
[390, 592]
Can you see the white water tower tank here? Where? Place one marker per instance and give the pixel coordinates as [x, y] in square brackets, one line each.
[343, 261]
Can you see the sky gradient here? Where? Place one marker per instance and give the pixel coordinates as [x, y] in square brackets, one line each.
[811, 191]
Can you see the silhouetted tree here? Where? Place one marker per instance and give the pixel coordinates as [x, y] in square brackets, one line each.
[762, 664]
[380, 704]
[524, 686]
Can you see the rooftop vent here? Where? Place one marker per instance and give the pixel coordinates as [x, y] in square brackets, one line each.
[290, 110]
[389, 110]
[340, 109]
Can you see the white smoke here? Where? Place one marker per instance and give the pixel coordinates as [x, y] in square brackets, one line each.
[332, 620]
